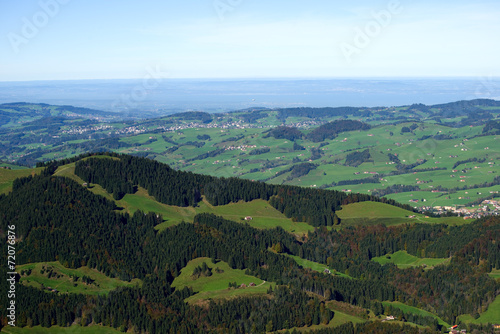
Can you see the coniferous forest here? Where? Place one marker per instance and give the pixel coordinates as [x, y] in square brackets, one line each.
[57, 219]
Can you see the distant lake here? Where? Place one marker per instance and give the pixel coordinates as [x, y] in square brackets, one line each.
[212, 95]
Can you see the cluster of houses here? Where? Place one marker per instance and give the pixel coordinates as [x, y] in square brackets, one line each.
[234, 124]
[243, 148]
[486, 208]
[454, 330]
[78, 130]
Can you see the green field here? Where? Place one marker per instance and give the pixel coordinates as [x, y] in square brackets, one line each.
[429, 144]
[315, 266]
[12, 167]
[372, 213]
[491, 315]
[216, 286]
[8, 176]
[495, 273]
[414, 310]
[343, 313]
[60, 330]
[65, 284]
[404, 260]
[264, 216]
[339, 318]
[69, 172]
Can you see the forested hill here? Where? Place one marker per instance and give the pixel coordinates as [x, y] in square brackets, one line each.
[56, 219]
[124, 173]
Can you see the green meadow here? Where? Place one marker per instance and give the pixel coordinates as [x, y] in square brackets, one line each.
[339, 318]
[408, 147]
[417, 311]
[343, 313]
[63, 279]
[217, 285]
[315, 266]
[264, 216]
[491, 315]
[495, 273]
[372, 213]
[7, 177]
[404, 260]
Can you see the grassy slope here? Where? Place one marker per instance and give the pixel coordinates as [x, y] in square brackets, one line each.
[102, 285]
[339, 318]
[370, 213]
[7, 177]
[414, 310]
[404, 260]
[60, 330]
[491, 315]
[495, 273]
[380, 141]
[315, 266]
[216, 286]
[263, 214]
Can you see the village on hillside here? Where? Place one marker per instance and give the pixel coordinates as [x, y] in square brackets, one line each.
[486, 208]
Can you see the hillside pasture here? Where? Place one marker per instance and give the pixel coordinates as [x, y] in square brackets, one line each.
[495, 273]
[404, 260]
[417, 311]
[216, 286]
[264, 216]
[62, 281]
[373, 213]
[7, 177]
[315, 266]
[491, 315]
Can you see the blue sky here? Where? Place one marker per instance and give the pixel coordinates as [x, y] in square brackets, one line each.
[111, 39]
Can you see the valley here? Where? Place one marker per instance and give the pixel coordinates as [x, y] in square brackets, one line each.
[374, 227]
[437, 158]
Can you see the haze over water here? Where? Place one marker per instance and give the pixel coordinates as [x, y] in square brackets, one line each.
[169, 95]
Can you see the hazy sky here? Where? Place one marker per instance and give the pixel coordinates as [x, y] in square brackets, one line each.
[107, 39]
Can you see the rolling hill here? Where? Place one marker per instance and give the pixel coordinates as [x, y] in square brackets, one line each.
[128, 243]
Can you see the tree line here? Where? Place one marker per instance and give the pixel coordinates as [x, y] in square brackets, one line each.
[121, 174]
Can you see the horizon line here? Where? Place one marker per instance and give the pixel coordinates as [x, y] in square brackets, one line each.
[269, 78]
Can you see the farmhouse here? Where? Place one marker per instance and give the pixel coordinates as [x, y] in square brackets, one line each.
[248, 218]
